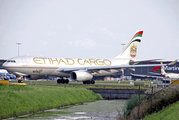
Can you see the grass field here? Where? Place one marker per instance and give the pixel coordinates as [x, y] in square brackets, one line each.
[98, 84]
[169, 113]
[18, 100]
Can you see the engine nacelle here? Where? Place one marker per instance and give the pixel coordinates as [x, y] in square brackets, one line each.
[80, 76]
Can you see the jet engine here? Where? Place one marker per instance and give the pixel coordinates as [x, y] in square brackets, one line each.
[80, 76]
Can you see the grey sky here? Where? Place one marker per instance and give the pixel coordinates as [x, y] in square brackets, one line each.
[88, 28]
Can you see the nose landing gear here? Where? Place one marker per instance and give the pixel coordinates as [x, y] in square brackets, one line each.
[20, 81]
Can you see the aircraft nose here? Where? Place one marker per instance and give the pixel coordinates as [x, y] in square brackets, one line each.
[5, 65]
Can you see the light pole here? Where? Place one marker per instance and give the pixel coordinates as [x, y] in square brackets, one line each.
[18, 47]
[122, 69]
[123, 45]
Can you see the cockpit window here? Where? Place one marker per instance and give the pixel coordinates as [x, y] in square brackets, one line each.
[12, 61]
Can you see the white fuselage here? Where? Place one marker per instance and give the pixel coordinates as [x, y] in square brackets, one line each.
[43, 66]
[76, 69]
[171, 75]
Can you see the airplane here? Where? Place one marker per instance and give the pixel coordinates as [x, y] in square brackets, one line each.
[162, 75]
[5, 75]
[77, 69]
[168, 75]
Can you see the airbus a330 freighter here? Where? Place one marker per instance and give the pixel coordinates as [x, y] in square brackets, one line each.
[76, 69]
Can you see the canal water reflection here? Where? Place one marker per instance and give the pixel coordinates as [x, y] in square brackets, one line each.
[99, 110]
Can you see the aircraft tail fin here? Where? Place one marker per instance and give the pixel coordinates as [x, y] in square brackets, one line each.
[162, 69]
[131, 48]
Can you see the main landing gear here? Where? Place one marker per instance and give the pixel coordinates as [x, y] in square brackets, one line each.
[89, 82]
[62, 81]
[20, 81]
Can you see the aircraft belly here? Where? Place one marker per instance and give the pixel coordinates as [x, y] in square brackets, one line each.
[12, 70]
[32, 71]
[174, 76]
[59, 74]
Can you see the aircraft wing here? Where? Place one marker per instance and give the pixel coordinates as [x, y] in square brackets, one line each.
[154, 73]
[149, 76]
[96, 68]
[133, 62]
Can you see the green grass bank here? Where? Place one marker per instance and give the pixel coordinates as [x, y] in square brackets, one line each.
[19, 100]
[169, 113]
[165, 103]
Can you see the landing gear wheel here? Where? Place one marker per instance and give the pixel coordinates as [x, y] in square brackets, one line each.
[88, 82]
[58, 81]
[63, 81]
[20, 81]
[66, 81]
[92, 82]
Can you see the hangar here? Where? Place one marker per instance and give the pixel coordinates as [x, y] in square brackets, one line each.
[144, 71]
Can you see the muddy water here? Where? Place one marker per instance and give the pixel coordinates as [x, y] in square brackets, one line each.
[99, 110]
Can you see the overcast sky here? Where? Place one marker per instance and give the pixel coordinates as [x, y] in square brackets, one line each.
[88, 28]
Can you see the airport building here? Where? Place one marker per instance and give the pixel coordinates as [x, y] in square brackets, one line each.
[142, 71]
[127, 72]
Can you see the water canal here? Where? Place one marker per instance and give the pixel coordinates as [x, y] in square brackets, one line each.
[99, 110]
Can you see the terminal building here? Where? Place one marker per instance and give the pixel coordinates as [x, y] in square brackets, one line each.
[127, 72]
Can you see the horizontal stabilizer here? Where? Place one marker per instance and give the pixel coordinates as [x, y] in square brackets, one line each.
[133, 62]
[172, 63]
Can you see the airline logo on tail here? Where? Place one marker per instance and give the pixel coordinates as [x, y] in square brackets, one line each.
[133, 51]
